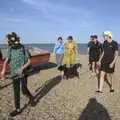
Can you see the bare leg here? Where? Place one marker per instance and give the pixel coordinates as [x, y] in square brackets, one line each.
[96, 68]
[102, 75]
[90, 66]
[107, 81]
[111, 82]
[93, 68]
[57, 59]
[61, 59]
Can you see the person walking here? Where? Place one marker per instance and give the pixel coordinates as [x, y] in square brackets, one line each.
[107, 61]
[94, 52]
[59, 51]
[19, 61]
[70, 52]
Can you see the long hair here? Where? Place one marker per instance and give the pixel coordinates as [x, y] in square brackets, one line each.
[13, 39]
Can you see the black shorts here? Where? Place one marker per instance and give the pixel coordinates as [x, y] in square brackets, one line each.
[93, 59]
[105, 68]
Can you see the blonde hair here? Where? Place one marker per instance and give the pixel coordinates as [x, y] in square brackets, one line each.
[108, 33]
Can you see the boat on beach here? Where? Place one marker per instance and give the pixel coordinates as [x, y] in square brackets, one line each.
[38, 57]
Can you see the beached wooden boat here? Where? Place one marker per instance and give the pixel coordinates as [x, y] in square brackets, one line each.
[38, 57]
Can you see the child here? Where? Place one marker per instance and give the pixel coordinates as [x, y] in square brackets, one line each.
[70, 57]
[88, 52]
[59, 51]
[94, 51]
[70, 52]
[19, 60]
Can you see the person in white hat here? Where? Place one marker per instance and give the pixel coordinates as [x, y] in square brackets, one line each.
[107, 61]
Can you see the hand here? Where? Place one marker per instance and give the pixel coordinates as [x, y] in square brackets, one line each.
[99, 63]
[20, 71]
[111, 65]
[2, 75]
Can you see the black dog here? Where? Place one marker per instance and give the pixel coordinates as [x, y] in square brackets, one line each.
[70, 72]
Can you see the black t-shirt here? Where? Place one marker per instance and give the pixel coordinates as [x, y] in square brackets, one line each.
[109, 51]
[95, 49]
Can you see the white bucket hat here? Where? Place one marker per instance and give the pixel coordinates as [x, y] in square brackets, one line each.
[107, 33]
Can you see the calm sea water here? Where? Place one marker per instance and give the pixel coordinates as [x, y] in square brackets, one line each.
[50, 47]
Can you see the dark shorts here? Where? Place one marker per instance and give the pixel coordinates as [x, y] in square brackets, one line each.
[90, 65]
[105, 68]
[93, 59]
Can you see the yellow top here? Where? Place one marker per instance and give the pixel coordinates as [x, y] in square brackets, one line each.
[70, 48]
[70, 53]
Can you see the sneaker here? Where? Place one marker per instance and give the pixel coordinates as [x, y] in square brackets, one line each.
[15, 112]
[99, 91]
[112, 90]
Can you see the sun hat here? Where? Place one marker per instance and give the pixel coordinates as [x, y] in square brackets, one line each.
[70, 38]
[107, 33]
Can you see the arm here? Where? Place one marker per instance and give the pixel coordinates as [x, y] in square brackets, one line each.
[101, 57]
[27, 59]
[77, 49]
[88, 51]
[4, 68]
[115, 58]
[6, 62]
[116, 54]
[26, 65]
[101, 48]
[65, 48]
[57, 46]
[21, 70]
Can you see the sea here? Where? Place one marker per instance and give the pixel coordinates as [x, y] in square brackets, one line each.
[49, 47]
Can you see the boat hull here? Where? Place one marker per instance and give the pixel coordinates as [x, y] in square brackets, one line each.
[42, 58]
[37, 58]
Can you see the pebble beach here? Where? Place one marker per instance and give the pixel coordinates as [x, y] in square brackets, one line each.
[59, 99]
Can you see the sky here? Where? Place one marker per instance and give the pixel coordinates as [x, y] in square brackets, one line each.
[42, 21]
